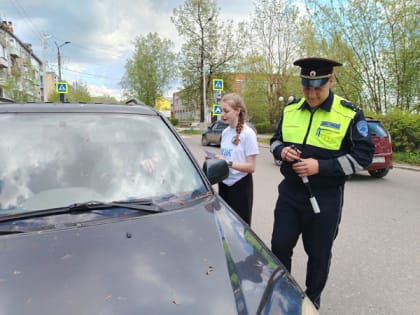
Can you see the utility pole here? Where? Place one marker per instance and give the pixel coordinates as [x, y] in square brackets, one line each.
[62, 98]
[44, 69]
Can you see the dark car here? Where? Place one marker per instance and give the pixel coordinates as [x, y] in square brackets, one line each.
[213, 134]
[382, 158]
[103, 210]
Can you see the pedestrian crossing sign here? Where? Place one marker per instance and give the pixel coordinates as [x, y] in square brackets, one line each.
[217, 84]
[62, 88]
[217, 110]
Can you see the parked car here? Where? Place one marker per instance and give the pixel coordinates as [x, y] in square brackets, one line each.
[213, 134]
[382, 158]
[104, 210]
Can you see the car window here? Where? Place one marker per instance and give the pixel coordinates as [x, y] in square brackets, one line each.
[59, 159]
[376, 129]
[221, 125]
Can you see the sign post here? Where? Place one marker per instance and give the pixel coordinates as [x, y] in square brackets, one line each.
[217, 95]
[62, 88]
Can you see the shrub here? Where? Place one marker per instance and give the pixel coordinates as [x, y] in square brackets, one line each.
[404, 129]
[264, 128]
[173, 121]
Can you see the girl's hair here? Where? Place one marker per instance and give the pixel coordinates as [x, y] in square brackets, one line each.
[236, 102]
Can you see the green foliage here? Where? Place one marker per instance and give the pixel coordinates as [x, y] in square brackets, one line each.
[211, 46]
[22, 86]
[150, 70]
[273, 42]
[191, 131]
[264, 127]
[173, 121]
[105, 99]
[404, 129]
[78, 92]
[407, 157]
[378, 42]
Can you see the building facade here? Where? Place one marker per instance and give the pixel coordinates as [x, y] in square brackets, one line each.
[21, 71]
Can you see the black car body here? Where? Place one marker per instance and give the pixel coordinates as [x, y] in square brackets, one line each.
[213, 134]
[103, 210]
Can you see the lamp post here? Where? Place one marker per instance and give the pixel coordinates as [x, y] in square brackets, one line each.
[203, 72]
[59, 65]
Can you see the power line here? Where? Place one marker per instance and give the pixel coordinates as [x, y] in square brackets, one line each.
[21, 10]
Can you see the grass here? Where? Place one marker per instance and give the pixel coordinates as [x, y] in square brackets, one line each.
[407, 157]
[190, 131]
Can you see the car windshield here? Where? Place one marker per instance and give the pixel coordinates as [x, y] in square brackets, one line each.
[53, 160]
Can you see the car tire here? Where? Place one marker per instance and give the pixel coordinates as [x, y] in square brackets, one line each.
[204, 141]
[379, 173]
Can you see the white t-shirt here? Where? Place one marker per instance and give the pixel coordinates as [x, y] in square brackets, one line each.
[247, 145]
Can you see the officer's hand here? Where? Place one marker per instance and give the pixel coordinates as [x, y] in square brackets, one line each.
[306, 167]
[289, 154]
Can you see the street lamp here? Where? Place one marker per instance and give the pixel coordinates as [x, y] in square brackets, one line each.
[59, 65]
[203, 72]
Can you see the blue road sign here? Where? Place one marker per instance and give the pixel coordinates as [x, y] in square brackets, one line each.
[62, 87]
[217, 110]
[217, 84]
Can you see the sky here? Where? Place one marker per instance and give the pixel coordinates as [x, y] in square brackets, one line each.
[100, 32]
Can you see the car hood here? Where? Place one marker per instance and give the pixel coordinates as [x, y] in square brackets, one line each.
[178, 262]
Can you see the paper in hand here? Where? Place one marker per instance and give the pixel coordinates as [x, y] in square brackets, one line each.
[211, 155]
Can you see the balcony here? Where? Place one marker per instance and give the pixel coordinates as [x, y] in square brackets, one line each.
[15, 52]
[4, 63]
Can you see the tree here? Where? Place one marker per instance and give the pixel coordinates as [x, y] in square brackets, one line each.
[77, 92]
[380, 46]
[211, 47]
[21, 85]
[150, 71]
[274, 46]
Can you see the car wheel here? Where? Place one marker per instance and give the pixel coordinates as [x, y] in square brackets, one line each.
[379, 173]
[219, 142]
[204, 141]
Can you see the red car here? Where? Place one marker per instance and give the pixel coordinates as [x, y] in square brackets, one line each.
[382, 158]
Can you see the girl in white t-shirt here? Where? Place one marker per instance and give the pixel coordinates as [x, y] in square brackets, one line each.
[239, 147]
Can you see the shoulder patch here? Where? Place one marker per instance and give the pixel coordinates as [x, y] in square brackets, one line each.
[362, 128]
[350, 105]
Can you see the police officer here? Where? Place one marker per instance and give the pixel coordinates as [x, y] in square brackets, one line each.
[321, 138]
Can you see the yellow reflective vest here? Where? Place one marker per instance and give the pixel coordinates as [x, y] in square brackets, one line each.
[321, 129]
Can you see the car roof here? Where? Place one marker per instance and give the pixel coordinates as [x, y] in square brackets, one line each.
[76, 108]
[371, 119]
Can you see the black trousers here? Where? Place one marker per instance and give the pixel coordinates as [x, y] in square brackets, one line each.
[293, 217]
[240, 197]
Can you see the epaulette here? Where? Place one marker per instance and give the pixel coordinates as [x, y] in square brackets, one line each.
[350, 105]
[292, 101]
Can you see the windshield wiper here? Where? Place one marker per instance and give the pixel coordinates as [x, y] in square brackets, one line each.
[7, 232]
[145, 205]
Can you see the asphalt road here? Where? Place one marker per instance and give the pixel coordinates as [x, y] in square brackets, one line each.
[375, 269]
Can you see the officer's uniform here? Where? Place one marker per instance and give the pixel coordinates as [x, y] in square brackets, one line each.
[335, 134]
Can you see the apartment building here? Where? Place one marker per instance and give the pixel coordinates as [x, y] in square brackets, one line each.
[20, 69]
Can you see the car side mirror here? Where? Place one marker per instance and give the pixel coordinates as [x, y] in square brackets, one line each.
[216, 170]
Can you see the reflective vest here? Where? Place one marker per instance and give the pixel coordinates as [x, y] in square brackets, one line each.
[321, 128]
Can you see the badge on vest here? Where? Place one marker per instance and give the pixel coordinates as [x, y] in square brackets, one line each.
[330, 124]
